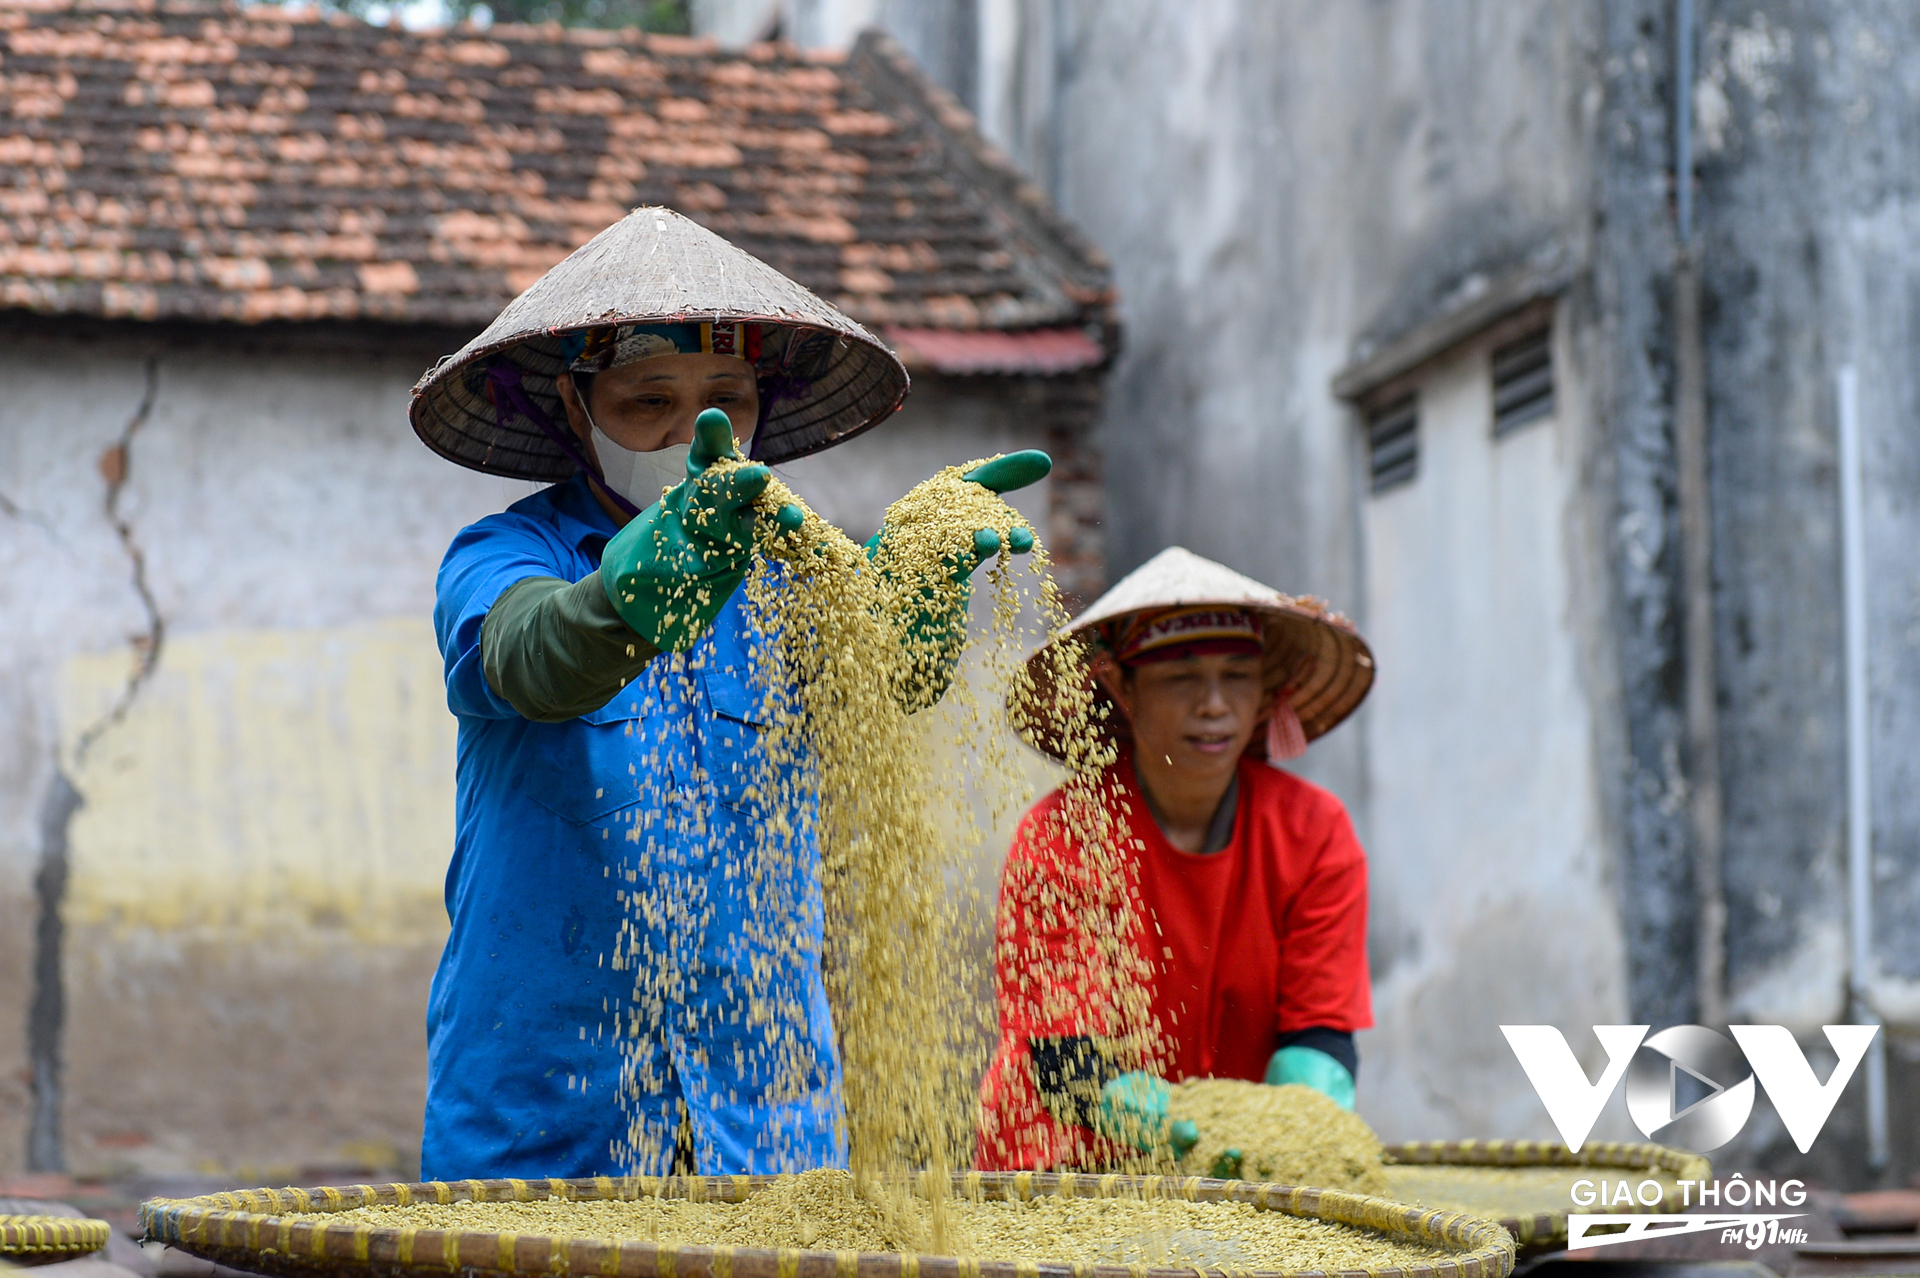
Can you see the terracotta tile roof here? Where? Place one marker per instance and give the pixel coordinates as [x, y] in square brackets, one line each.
[191, 161]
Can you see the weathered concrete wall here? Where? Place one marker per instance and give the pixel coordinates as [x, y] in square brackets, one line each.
[1809, 206]
[18, 858]
[1633, 483]
[1805, 225]
[253, 907]
[1809, 213]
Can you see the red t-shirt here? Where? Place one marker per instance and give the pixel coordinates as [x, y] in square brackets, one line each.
[1266, 936]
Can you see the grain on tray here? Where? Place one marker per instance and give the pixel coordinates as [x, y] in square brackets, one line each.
[1289, 1135]
[828, 1211]
[854, 647]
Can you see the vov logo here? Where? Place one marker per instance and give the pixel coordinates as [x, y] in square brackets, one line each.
[1688, 1086]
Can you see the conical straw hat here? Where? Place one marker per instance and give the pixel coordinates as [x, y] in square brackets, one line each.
[653, 266]
[1314, 653]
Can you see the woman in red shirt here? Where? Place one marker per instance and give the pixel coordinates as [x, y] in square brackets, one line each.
[1245, 887]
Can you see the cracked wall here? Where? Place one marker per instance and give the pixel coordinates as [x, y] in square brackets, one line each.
[217, 632]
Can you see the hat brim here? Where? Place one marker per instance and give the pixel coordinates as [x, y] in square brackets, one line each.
[455, 417]
[1316, 656]
[653, 267]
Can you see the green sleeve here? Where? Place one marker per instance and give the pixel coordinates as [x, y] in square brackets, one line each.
[556, 651]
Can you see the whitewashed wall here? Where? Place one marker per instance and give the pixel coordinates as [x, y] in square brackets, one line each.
[1491, 897]
[253, 903]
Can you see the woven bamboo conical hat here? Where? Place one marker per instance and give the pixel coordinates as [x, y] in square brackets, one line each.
[1312, 652]
[655, 266]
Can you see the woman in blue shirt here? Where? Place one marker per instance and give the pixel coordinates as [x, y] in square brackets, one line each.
[601, 1005]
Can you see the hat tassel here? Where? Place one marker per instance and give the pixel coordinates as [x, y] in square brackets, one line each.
[1286, 739]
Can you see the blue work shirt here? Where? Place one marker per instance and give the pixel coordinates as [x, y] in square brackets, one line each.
[631, 932]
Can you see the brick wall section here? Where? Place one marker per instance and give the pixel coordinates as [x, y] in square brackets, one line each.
[1071, 407]
[1065, 412]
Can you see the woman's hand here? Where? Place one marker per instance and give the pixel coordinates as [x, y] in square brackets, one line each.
[1134, 1111]
[674, 566]
[932, 618]
[1311, 1067]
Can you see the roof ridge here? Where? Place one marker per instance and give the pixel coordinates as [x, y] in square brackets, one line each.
[894, 74]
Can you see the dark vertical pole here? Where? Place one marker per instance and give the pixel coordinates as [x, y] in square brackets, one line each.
[46, 1016]
[1705, 812]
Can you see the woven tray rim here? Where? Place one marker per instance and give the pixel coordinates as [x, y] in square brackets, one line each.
[1552, 1226]
[46, 1237]
[247, 1225]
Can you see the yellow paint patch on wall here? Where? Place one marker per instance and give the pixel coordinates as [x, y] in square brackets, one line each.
[266, 782]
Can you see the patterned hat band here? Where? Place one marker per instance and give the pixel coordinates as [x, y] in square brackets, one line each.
[595, 350]
[1169, 634]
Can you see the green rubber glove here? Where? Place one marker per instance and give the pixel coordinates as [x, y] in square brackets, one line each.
[935, 623]
[1311, 1067]
[1227, 1166]
[1003, 474]
[1133, 1111]
[1010, 471]
[673, 567]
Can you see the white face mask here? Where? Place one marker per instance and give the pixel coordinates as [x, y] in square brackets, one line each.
[639, 477]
